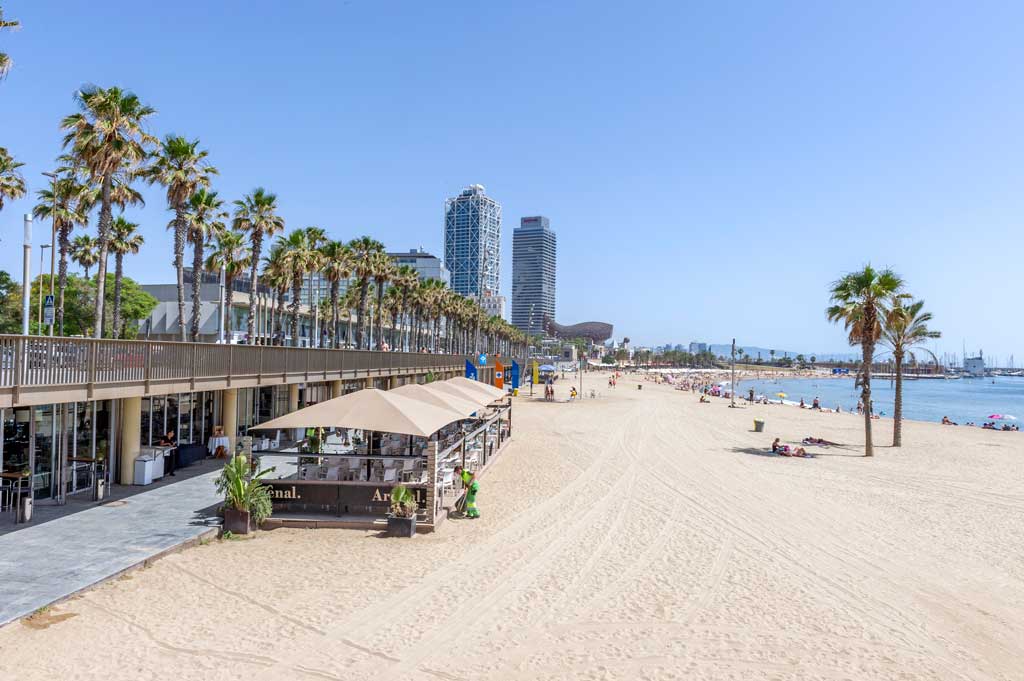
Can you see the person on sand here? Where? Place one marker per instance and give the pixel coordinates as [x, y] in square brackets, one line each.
[784, 450]
[802, 405]
[947, 422]
[704, 399]
[471, 486]
[816, 404]
[573, 394]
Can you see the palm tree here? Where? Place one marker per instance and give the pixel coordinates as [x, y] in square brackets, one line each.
[906, 326]
[231, 254]
[5, 61]
[108, 138]
[406, 280]
[860, 301]
[256, 215]
[337, 267]
[301, 258]
[383, 272]
[61, 203]
[180, 166]
[363, 250]
[316, 237]
[275, 275]
[12, 184]
[205, 220]
[84, 252]
[124, 239]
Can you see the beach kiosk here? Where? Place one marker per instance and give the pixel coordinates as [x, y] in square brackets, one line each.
[359, 446]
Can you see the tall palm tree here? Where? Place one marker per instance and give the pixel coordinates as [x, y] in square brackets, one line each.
[231, 254]
[12, 184]
[84, 252]
[406, 279]
[861, 301]
[180, 167]
[363, 250]
[124, 239]
[256, 215]
[205, 220]
[383, 273]
[301, 257]
[5, 61]
[276, 276]
[61, 203]
[316, 237]
[905, 328]
[337, 267]
[108, 137]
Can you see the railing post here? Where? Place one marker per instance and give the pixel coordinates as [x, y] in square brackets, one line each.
[19, 363]
[147, 370]
[91, 372]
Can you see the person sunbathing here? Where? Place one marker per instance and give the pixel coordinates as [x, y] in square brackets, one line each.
[704, 399]
[947, 422]
[786, 450]
[818, 441]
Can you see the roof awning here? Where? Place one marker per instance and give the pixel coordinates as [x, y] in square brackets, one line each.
[438, 398]
[370, 409]
[467, 384]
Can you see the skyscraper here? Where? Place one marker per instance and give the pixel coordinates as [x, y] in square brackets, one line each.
[472, 242]
[534, 250]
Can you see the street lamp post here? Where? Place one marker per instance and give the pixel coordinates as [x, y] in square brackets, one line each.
[42, 251]
[26, 274]
[53, 233]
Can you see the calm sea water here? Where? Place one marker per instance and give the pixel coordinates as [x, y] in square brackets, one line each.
[924, 400]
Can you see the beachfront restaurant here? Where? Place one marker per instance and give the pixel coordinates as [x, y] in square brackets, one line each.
[348, 453]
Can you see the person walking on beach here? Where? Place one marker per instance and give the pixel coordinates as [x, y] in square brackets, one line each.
[471, 486]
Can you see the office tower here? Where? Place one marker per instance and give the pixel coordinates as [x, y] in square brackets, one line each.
[534, 250]
[472, 242]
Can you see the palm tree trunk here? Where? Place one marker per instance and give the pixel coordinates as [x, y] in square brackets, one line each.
[229, 295]
[897, 426]
[335, 290]
[197, 282]
[865, 395]
[296, 294]
[257, 246]
[118, 274]
[364, 286]
[280, 314]
[380, 316]
[103, 247]
[62, 275]
[179, 264]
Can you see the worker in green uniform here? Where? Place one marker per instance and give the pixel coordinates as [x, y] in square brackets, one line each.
[472, 487]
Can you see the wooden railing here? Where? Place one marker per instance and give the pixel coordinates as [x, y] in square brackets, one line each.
[40, 362]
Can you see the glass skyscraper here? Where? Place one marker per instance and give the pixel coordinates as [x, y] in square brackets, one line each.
[472, 242]
[534, 252]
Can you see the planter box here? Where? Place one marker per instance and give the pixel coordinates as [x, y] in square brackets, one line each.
[401, 527]
[237, 522]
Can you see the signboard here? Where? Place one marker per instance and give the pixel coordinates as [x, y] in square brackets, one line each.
[48, 307]
[470, 370]
[499, 375]
[514, 375]
[536, 372]
[482, 359]
[342, 499]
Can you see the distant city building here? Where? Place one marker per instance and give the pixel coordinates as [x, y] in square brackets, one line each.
[493, 305]
[698, 348]
[427, 265]
[534, 250]
[472, 242]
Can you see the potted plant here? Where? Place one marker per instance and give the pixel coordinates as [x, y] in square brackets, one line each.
[247, 501]
[402, 519]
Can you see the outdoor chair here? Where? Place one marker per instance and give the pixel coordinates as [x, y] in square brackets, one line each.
[390, 474]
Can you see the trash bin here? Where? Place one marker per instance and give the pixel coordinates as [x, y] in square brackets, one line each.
[758, 425]
[143, 470]
[24, 511]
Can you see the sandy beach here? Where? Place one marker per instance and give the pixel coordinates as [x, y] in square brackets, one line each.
[639, 535]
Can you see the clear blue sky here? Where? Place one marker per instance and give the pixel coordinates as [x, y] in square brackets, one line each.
[709, 167]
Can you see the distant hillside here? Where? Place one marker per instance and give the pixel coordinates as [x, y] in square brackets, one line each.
[752, 350]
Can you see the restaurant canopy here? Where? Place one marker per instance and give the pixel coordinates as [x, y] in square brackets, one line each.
[427, 393]
[449, 388]
[489, 390]
[370, 409]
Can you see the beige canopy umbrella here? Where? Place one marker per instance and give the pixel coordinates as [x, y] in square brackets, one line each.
[447, 388]
[370, 409]
[438, 398]
[467, 384]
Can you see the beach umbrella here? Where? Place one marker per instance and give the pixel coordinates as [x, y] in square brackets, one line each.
[1002, 417]
[781, 395]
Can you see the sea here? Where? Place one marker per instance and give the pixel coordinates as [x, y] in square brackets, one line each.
[966, 400]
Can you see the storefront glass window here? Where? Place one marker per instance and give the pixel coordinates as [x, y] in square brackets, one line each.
[185, 418]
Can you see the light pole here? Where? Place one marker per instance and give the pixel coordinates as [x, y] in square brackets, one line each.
[42, 250]
[220, 307]
[26, 274]
[53, 233]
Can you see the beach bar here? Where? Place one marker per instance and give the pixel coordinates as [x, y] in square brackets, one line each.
[336, 463]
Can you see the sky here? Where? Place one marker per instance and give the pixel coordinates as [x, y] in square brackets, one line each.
[709, 168]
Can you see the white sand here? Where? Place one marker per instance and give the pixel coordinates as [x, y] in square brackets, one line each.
[637, 536]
